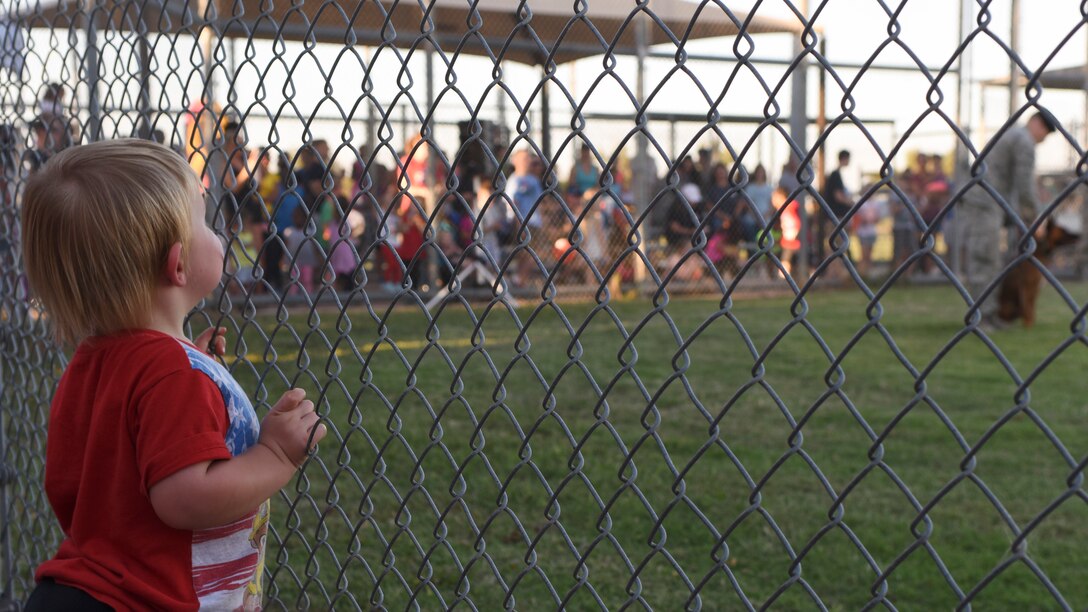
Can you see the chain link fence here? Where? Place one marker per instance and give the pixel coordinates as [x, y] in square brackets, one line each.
[586, 334]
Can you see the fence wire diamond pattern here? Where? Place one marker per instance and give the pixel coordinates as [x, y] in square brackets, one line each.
[606, 397]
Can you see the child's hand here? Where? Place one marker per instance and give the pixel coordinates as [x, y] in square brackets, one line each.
[213, 341]
[286, 430]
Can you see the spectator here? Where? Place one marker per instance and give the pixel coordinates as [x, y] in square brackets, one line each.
[413, 176]
[686, 213]
[791, 184]
[454, 236]
[244, 215]
[688, 172]
[367, 174]
[742, 222]
[9, 143]
[498, 222]
[915, 179]
[790, 222]
[526, 192]
[315, 177]
[703, 171]
[835, 192]
[584, 175]
[913, 182]
[268, 181]
[594, 238]
[343, 256]
[283, 217]
[904, 232]
[788, 181]
[404, 244]
[370, 204]
[302, 250]
[838, 200]
[759, 192]
[242, 207]
[684, 216]
[9, 175]
[725, 206]
[935, 194]
[59, 131]
[35, 155]
[380, 230]
[871, 213]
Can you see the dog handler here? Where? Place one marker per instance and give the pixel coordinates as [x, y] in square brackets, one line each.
[1010, 171]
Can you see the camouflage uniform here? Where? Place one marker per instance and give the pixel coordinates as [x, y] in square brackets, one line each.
[1010, 171]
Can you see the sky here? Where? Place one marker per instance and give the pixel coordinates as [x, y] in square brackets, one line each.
[853, 29]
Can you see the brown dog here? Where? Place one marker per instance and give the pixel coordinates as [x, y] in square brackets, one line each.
[1020, 287]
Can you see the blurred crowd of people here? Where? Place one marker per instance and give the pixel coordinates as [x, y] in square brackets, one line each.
[922, 191]
[297, 221]
[306, 222]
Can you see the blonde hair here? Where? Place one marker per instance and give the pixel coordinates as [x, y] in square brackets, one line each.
[97, 224]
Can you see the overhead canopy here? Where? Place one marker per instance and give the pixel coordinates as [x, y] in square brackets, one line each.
[1072, 77]
[12, 47]
[527, 32]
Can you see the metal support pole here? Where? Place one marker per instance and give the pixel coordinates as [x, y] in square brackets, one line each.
[428, 133]
[641, 168]
[1014, 43]
[7, 474]
[982, 115]
[144, 124]
[799, 135]
[954, 225]
[672, 138]
[501, 110]
[404, 129]
[206, 9]
[643, 174]
[232, 59]
[90, 74]
[432, 188]
[545, 116]
[961, 78]
[371, 118]
[1081, 253]
[821, 120]
[1086, 101]
[963, 90]
[215, 164]
[371, 128]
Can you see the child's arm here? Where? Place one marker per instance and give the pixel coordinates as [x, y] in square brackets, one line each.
[215, 493]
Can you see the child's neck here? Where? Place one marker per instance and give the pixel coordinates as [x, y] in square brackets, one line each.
[167, 326]
[168, 310]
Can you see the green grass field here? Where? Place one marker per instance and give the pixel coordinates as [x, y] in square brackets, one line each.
[548, 470]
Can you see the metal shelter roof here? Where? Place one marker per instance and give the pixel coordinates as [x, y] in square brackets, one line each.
[1070, 77]
[528, 31]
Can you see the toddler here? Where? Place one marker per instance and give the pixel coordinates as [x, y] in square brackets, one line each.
[302, 251]
[155, 467]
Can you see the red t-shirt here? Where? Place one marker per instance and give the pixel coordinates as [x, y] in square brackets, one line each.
[130, 410]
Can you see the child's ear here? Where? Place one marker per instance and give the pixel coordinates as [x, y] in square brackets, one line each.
[174, 271]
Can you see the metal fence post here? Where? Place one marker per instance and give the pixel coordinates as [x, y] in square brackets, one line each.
[90, 71]
[7, 590]
[799, 121]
